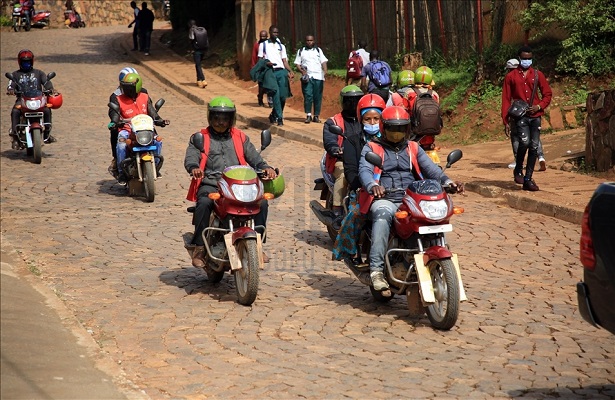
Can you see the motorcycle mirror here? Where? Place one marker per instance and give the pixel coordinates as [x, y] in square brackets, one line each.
[453, 157]
[374, 159]
[51, 75]
[159, 104]
[336, 130]
[114, 107]
[9, 75]
[265, 139]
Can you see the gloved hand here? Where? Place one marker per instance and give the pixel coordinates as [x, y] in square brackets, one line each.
[162, 122]
[455, 187]
[111, 125]
[337, 152]
[10, 92]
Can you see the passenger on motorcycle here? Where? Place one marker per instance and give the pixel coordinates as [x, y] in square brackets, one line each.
[423, 83]
[403, 162]
[333, 144]
[27, 77]
[405, 85]
[224, 145]
[369, 111]
[132, 101]
[113, 129]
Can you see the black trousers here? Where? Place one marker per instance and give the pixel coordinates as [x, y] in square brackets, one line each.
[204, 207]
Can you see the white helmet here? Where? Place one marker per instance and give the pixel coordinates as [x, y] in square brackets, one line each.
[126, 71]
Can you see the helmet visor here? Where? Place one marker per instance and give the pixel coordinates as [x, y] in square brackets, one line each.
[396, 128]
[349, 104]
[224, 117]
[129, 89]
[26, 65]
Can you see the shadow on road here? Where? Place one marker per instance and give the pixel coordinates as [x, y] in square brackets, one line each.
[315, 237]
[194, 281]
[597, 391]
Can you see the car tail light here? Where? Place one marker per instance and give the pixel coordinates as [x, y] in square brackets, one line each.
[588, 259]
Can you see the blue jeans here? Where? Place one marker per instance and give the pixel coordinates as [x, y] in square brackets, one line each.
[120, 148]
[381, 214]
[312, 95]
[528, 133]
[198, 57]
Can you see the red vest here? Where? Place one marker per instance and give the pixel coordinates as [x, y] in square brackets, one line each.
[129, 107]
[329, 159]
[238, 138]
[365, 198]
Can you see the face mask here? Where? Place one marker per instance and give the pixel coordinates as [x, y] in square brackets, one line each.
[371, 129]
[525, 64]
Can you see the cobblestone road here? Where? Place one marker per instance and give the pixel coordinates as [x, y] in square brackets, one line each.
[314, 331]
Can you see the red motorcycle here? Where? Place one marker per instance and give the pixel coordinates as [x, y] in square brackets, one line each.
[72, 19]
[30, 129]
[21, 16]
[40, 19]
[418, 260]
[232, 241]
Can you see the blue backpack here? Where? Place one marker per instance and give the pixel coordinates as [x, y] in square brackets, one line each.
[380, 74]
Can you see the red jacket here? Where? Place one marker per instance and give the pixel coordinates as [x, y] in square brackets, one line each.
[518, 86]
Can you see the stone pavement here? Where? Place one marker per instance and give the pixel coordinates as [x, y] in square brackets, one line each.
[562, 195]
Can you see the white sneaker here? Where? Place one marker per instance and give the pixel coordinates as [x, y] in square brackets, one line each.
[512, 165]
[378, 281]
[543, 164]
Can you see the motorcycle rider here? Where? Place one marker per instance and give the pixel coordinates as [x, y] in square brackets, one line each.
[224, 145]
[113, 129]
[369, 112]
[132, 101]
[405, 85]
[403, 162]
[27, 77]
[333, 144]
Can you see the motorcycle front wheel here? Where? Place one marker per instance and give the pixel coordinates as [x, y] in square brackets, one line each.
[246, 278]
[148, 181]
[16, 25]
[37, 141]
[444, 312]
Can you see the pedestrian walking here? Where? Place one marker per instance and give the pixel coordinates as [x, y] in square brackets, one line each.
[135, 22]
[274, 51]
[520, 90]
[312, 64]
[262, 37]
[200, 45]
[364, 55]
[379, 74]
[511, 65]
[146, 27]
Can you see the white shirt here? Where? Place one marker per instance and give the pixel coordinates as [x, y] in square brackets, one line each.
[364, 55]
[274, 52]
[311, 59]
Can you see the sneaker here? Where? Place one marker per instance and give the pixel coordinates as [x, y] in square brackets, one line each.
[308, 119]
[530, 185]
[197, 257]
[378, 281]
[316, 119]
[51, 139]
[543, 164]
[200, 84]
[113, 168]
[272, 118]
[146, 53]
[204, 83]
[512, 165]
[280, 122]
[519, 178]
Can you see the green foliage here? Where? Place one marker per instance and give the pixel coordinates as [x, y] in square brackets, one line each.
[486, 92]
[5, 20]
[590, 47]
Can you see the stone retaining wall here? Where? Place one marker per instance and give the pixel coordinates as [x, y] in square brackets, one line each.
[600, 130]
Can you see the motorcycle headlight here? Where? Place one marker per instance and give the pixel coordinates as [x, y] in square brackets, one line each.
[245, 193]
[33, 104]
[145, 137]
[435, 210]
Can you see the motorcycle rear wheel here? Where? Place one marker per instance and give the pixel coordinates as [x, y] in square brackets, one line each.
[37, 141]
[444, 312]
[148, 181]
[246, 278]
[16, 25]
[28, 26]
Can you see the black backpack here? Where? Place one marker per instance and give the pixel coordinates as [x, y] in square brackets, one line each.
[201, 41]
[426, 118]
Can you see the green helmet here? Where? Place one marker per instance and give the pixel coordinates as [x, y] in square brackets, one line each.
[405, 78]
[221, 105]
[349, 97]
[423, 76]
[131, 85]
[275, 186]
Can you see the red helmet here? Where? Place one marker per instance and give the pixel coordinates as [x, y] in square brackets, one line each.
[55, 100]
[370, 100]
[395, 123]
[25, 58]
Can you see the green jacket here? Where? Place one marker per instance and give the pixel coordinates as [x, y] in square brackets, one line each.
[264, 75]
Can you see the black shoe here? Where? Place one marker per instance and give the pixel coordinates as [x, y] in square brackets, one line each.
[519, 178]
[337, 222]
[51, 139]
[316, 119]
[272, 118]
[530, 185]
[308, 119]
[261, 104]
[280, 122]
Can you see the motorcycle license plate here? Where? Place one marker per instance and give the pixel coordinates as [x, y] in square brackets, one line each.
[425, 230]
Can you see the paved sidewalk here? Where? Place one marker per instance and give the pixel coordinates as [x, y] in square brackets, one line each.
[563, 195]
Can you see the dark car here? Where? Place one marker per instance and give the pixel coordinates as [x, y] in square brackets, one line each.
[596, 294]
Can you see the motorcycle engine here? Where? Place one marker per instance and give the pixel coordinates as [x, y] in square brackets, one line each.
[219, 249]
[400, 270]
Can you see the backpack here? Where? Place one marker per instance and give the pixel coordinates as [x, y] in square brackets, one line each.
[380, 74]
[354, 66]
[426, 118]
[201, 41]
